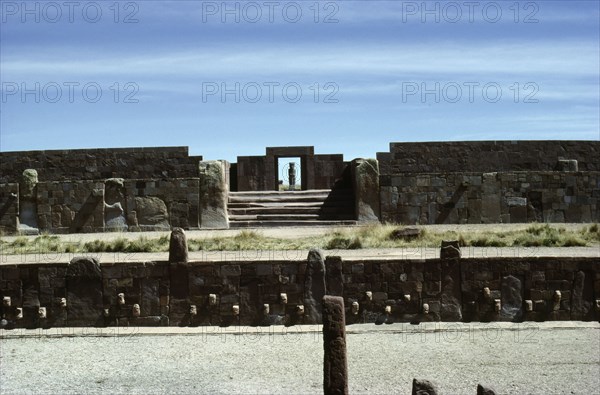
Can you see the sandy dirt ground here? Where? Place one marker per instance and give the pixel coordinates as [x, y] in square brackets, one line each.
[528, 358]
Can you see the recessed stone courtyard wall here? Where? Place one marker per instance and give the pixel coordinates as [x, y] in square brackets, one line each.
[100, 164]
[487, 156]
[498, 197]
[246, 292]
[490, 182]
[94, 190]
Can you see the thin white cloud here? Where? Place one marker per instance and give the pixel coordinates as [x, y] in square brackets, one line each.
[509, 58]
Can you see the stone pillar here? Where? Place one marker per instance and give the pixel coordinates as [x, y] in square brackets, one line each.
[365, 182]
[314, 287]
[484, 390]
[214, 193]
[178, 251]
[84, 292]
[334, 277]
[28, 218]
[114, 201]
[423, 387]
[335, 369]
[450, 249]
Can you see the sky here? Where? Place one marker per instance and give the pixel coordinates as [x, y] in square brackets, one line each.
[229, 78]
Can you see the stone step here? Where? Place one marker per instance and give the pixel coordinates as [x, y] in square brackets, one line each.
[319, 210]
[274, 210]
[236, 205]
[276, 199]
[272, 224]
[285, 217]
[274, 217]
[285, 208]
[288, 197]
[282, 193]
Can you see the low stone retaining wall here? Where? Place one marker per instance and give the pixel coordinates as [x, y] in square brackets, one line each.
[84, 292]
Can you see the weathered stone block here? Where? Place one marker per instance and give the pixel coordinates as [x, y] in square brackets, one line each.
[178, 250]
[512, 300]
[214, 191]
[314, 287]
[424, 387]
[365, 178]
[335, 372]
[334, 276]
[84, 292]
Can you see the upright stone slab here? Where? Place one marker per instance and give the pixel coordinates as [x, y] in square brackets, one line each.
[84, 292]
[335, 368]
[28, 215]
[314, 287]
[178, 251]
[512, 299]
[365, 180]
[214, 192]
[424, 387]
[580, 307]
[450, 249]
[114, 200]
[450, 309]
[334, 276]
[484, 390]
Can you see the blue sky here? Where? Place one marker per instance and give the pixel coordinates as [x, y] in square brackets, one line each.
[230, 78]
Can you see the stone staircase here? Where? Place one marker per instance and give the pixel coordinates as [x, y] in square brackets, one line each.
[298, 208]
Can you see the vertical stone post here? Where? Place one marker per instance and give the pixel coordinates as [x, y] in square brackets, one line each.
[424, 387]
[334, 278]
[214, 193]
[335, 369]
[84, 292]
[178, 251]
[28, 215]
[314, 287]
[365, 182]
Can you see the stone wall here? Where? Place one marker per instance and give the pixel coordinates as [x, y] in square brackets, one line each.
[250, 173]
[505, 197]
[159, 204]
[70, 207]
[331, 171]
[259, 173]
[487, 156]
[100, 164]
[9, 207]
[490, 182]
[86, 293]
[85, 206]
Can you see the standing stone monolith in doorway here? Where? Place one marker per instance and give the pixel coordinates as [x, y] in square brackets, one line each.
[335, 368]
[178, 251]
[314, 287]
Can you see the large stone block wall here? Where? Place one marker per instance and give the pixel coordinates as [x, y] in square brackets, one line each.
[508, 197]
[250, 173]
[159, 204]
[9, 207]
[322, 171]
[487, 156]
[99, 164]
[331, 171]
[70, 207]
[81, 206]
[85, 293]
